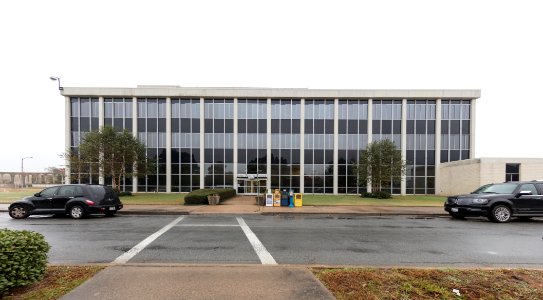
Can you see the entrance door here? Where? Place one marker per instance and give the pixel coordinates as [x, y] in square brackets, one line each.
[252, 186]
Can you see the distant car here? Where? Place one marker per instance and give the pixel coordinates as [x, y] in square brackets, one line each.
[499, 202]
[77, 200]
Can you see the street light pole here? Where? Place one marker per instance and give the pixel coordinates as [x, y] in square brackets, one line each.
[60, 88]
[22, 171]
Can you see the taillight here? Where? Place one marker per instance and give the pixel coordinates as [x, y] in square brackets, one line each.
[89, 202]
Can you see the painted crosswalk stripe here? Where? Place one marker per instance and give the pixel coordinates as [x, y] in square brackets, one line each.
[136, 249]
[263, 254]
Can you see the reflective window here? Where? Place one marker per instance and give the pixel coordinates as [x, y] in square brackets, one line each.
[420, 153]
[455, 130]
[352, 140]
[318, 146]
[219, 142]
[285, 143]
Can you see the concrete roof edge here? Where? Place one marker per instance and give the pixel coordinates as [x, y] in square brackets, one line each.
[242, 92]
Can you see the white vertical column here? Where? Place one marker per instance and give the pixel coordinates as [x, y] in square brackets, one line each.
[268, 143]
[235, 171]
[370, 131]
[336, 145]
[437, 148]
[100, 126]
[168, 145]
[202, 143]
[67, 138]
[404, 143]
[135, 134]
[302, 145]
[472, 129]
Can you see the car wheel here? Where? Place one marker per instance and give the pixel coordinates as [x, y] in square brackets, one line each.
[77, 212]
[500, 214]
[457, 216]
[19, 212]
[110, 213]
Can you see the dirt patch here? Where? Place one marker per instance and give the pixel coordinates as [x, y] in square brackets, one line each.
[57, 281]
[369, 283]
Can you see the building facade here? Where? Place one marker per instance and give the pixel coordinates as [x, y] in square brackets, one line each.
[254, 139]
[465, 176]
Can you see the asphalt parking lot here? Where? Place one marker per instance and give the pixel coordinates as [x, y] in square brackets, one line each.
[289, 239]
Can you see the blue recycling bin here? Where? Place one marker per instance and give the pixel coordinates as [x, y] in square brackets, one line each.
[284, 198]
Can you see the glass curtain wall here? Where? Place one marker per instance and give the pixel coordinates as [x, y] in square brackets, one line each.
[319, 146]
[219, 143]
[84, 118]
[455, 130]
[420, 152]
[185, 150]
[353, 139]
[152, 132]
[387, 124]
[118, 114]
[252, 128]
[285, 147]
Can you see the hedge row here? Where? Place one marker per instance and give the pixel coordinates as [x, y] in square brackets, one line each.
[200, 196]
[23, 258]
[378, 195]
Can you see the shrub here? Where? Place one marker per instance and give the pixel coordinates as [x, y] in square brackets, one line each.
[23, 258]
[382, 195]
[200, 196]
[378, 195]
[124, 194]
[366, 195]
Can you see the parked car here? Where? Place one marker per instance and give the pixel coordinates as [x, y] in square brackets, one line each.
[76, 200]
[499, 202]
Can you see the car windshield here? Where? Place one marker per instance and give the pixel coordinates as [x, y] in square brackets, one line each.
[504, 188]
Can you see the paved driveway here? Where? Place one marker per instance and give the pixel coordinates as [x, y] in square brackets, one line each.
[290, 239]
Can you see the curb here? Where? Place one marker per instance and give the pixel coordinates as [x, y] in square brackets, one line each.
[184, 213]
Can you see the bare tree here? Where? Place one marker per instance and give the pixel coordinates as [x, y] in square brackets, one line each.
[114, 154]
[380, 164]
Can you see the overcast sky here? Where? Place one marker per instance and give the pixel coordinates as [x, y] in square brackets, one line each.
[495, 46]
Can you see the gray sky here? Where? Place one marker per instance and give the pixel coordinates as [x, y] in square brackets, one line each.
[495, 46]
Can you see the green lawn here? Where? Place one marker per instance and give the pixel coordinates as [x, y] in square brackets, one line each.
[411, 200]
[154, 198]
[10, 195]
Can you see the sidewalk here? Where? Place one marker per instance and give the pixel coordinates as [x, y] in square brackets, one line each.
[225, 208]
[201, 282]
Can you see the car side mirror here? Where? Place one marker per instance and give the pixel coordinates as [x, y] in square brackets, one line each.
[36, 194]
[523, 193]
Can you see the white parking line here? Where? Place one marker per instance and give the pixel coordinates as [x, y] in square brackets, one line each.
[136, 249]
[263, 254]
[208, 225]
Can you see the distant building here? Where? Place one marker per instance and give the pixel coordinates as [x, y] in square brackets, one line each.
[463, 177]
[300, 139]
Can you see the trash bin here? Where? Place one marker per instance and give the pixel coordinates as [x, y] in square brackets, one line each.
[284, 198]
[298, 200]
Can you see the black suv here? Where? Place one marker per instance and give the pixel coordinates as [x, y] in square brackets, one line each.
[76, 200]
[499, 202]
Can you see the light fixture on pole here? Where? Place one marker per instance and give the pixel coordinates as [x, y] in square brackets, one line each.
[22, 171]
[60, 88]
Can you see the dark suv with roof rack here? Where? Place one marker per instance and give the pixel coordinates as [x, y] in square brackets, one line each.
[499, 202]
[77, 200]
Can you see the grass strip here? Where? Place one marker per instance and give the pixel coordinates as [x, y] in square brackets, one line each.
[57, 281]
[385, 283]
